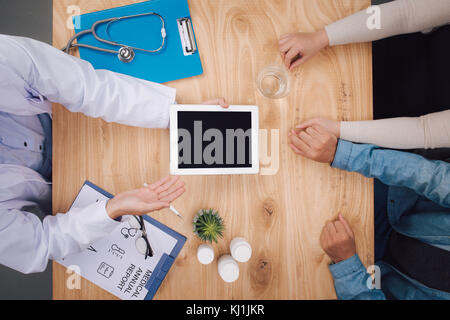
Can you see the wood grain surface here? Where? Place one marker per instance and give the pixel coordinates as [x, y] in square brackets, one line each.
[281, 215]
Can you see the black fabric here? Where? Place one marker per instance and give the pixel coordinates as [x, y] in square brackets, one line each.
[411, 78]
[434, 154]
[411, 74]
[46, 168]
[382, 228]
[424, 263]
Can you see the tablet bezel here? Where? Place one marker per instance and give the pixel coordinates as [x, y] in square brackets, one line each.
[175, 170]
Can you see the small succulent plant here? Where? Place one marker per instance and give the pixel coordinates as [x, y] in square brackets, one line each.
[208, 225]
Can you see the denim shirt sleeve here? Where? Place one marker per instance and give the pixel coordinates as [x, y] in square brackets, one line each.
[350, 281]
[428, 178]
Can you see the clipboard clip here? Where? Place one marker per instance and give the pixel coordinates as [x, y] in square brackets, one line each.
[187, 36]
[158, 275]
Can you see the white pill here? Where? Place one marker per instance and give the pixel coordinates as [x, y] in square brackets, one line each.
[228, 268]
[240, 250]
[205, 254]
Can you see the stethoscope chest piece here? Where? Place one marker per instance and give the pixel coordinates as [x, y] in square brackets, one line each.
[126, 54]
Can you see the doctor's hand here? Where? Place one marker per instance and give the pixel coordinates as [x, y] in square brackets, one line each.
[332, 126]
[314, 143]
[218, 101]
[337, 240]
[296, 48]
[141, 201]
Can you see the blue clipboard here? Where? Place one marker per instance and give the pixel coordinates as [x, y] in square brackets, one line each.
[144, 32]
[166, 262]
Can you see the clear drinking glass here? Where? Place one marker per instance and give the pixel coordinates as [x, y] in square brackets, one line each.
[273, 81]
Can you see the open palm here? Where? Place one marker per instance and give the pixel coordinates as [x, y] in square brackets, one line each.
[144, 200]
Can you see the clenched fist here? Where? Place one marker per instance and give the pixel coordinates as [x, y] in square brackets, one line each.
[337, 240]
[314, 143]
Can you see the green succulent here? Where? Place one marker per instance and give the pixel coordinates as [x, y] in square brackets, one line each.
[208, 225]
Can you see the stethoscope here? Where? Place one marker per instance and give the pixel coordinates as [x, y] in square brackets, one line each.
[125, 53]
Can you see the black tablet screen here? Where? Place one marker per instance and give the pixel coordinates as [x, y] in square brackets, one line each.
[220, 139]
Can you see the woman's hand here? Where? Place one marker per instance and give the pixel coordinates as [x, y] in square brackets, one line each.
[332, 126]
[218, 101]
[141, 201]
[296, 48]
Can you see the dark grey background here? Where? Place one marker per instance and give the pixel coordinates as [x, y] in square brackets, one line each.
[28, 18]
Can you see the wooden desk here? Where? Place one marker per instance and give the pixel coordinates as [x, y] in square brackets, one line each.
[281, 215]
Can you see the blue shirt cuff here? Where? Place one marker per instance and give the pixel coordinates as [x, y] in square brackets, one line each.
[342, 157]
[346, 267]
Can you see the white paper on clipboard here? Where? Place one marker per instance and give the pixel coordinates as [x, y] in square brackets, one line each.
[113, 263]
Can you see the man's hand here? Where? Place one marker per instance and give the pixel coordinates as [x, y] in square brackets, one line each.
[332, 126]
[145, 200]
[296, 48]
[218, 101]
[337, 240]
[314, 143]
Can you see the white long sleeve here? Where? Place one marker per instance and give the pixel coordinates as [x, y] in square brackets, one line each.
[32, 75]
[396, 17]
[428, 132]
[27, 243]
[35, 69]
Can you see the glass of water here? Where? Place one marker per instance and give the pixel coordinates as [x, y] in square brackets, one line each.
[273, 81]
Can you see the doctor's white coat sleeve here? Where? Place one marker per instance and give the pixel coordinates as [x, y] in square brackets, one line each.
[27, 244]
[53, 75]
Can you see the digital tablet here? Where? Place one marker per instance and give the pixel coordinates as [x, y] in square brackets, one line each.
[211, 140]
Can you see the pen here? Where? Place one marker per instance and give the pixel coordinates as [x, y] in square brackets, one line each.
[175, 211]
[172, 209]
